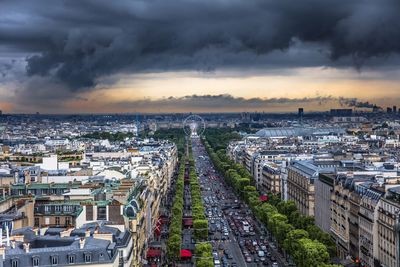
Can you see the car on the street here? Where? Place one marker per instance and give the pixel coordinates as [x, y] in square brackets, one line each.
[249, 259]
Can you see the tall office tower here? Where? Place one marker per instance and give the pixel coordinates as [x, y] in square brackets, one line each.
[301, 112]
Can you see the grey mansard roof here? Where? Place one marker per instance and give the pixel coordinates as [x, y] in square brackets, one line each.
[51, 245]
[46, 247]
[297, 131]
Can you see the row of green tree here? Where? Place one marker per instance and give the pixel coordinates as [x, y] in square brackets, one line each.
[203, 251]
[204, 257]
[176, 136]
[174, 241]
[200, 223]
[295, 233]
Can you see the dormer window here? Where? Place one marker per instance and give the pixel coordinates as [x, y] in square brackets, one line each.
[88, 257]
[54, 260]
[71, 259]
[35, 261]
[14, 263]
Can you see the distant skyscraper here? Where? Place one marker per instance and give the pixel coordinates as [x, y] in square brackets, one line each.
[389, 110]
[394, 109]
[1, 112]
[301, 112]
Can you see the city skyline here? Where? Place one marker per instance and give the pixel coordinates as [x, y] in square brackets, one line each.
[187, 56]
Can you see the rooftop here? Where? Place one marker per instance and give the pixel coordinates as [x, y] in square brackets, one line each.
[297, 131]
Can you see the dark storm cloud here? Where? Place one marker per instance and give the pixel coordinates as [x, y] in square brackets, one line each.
[227, 102]
[78, 42]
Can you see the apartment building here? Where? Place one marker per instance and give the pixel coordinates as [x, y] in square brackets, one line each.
[340, 212]
[388, 225]
[354, 199]
[300, 184]
[271, 178]
[368, 229]
[323, 189]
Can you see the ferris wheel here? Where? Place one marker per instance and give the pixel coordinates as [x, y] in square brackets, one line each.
[194, 126]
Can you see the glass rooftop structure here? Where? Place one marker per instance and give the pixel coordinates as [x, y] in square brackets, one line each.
[298, 131]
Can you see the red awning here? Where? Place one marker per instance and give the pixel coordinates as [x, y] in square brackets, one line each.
[263, 198]
[153, 253]
[186, 253]
[187, 221]
[157, 230]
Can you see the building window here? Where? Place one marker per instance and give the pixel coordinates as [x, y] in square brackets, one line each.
[14, 263]
[37, 221]
[67, 221]
[57, 220]
[35, 262]
[68, 208]
[71, 259]
[58, 208]
[54, 260]
[46, 208]
[101, 213]
[88, 257]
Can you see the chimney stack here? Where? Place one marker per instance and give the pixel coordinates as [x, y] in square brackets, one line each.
[26, 247]
[66, 232]
[82, 243]
[36, 231]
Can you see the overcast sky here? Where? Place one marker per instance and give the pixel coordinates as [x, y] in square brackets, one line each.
[198, 55]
